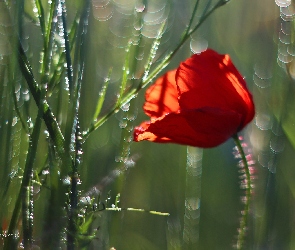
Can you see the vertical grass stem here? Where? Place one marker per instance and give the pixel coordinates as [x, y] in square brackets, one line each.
[245, 214]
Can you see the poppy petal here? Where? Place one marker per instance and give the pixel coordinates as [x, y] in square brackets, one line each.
[210, 79]
[162, 96]
[205, 127]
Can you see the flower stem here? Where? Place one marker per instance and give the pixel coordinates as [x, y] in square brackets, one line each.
[248, 189]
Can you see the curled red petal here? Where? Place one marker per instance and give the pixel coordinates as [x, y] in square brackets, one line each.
[205, 127]
[210, 79]
[162, 96]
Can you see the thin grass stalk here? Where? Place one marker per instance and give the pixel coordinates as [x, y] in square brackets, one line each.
[26, 186]
[59, 69]
[126, 72]
[72, 128]
[48, 43]
[41, 17]
[6, 140]
[67, 49]
[49, 118]
[102, 95]
[192, 18]
[16, 108]
[10, 240]
[248, 189]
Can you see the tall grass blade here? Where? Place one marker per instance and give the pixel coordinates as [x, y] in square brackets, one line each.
[49, 119]
[126, 72]
[41, 16]
[101, 95]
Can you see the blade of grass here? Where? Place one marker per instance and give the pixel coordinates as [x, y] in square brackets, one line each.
[125, 74]
[26, 186]
[102, 95]
[73, 137]
[48, 43]
[152, 54]
[69, 67]
[24, 126]
[58, 67]
[40, 15]
[50, 120]
[248, 189]
[192, 18]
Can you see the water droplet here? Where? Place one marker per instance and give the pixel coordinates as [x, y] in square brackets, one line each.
[123, 124]
[67, 180]
[30, 123]
[126, 107]
[14, 121]
[85, 200]
[45, 172]
[129, 163]
[198, 45]
[118, 159]
[140, 7]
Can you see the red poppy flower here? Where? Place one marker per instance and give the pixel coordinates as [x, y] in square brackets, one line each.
[202, 103]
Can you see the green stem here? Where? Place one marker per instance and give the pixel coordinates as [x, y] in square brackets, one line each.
[26, 185]
[67, 49]
[248, 189]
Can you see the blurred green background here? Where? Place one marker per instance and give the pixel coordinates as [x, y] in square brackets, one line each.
[259, 37]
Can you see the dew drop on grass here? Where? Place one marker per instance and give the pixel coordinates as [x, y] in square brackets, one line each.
[139, 7]
[126, 107]
[123, 124]
[67, 180]
[14, 121]
[45, 172]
